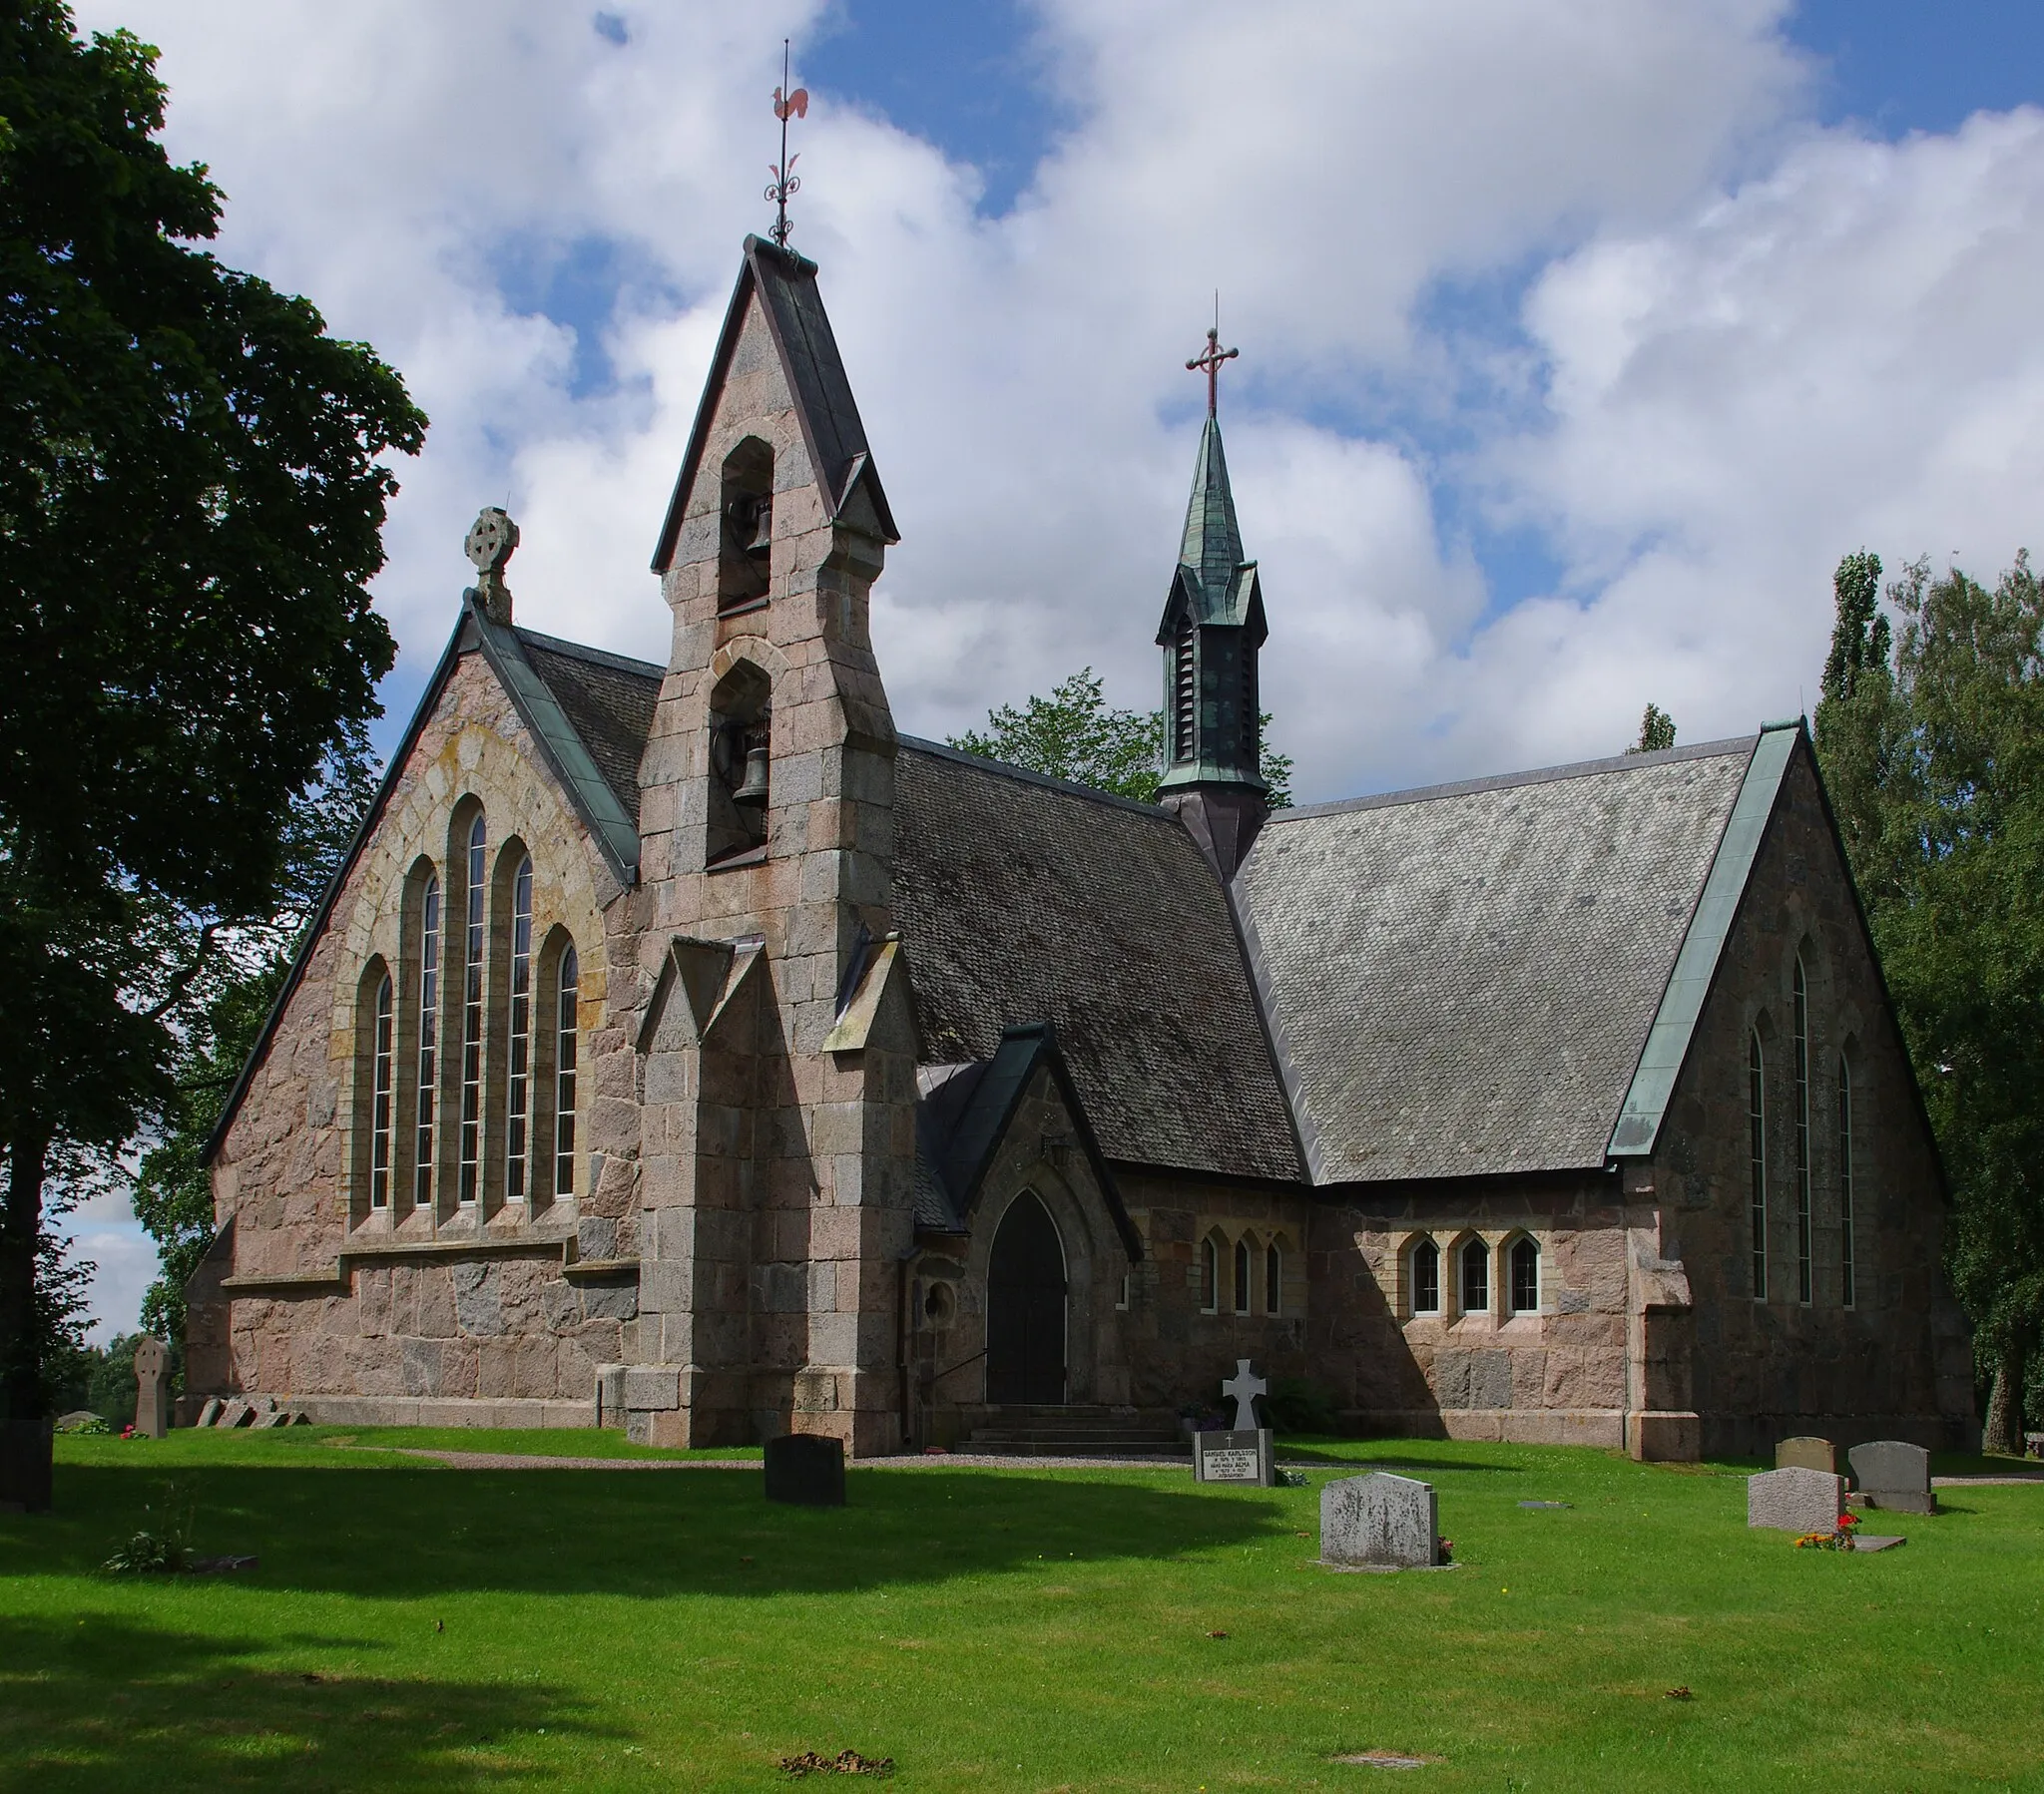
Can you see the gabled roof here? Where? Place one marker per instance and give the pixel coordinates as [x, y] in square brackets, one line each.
[588, 712]
[1461, 980]
[1022, 898]
[962, 1122]
[831, 430]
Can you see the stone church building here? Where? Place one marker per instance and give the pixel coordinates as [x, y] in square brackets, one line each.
[682, 1047]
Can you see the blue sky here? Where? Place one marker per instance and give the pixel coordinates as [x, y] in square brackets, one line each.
[1580, 338]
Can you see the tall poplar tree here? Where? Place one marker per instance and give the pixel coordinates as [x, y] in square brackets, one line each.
[191, 504]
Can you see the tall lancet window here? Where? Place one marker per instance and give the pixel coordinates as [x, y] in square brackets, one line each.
[429, 1042]
[564, 1076]
[379, 1098]
[518, 1087]
[1845, 1290]
[1756, 1150]
[472, 1021]
[1803, 1276]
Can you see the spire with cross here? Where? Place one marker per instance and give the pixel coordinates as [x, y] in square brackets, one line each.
[1210, 358]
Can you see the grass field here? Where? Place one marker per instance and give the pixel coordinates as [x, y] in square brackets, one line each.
[416, 1626]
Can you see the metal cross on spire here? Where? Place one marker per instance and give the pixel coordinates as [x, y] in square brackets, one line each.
[786, 182]
[1211, 358]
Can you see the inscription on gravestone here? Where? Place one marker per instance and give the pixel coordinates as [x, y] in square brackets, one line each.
[1235, 1458]
[152, 1357]
[807, 1469]
[1894, 1474]
[1383, 1520]
[1794, 1500]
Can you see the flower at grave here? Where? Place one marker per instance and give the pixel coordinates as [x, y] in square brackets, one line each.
[1847, 1520]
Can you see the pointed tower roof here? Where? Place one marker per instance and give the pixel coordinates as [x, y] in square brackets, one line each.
[1212, 541]
[835, 438]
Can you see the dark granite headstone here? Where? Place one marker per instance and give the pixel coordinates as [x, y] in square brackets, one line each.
[1243, 1457]
[807, 1469]
[1894, 1474]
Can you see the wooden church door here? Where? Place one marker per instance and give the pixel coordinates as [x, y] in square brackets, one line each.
[1025, 1307]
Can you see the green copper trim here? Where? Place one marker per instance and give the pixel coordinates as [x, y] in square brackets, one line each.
[1695, 965]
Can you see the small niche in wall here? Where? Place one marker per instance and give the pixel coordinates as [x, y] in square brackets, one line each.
[741, 761]
[746, 547]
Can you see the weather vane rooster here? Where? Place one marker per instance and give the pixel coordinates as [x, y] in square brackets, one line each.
[786, 182]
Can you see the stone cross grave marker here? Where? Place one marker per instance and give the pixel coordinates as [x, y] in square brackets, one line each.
[1894, 1474]
[1805, 1453]
[807, 1469]
[1796, 1500]
[152, 1357]
[1382, 1521]
[1243, 1453]
[1242, 1389]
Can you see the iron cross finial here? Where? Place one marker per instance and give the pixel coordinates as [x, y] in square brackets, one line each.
[786, 182]
[1211, 358]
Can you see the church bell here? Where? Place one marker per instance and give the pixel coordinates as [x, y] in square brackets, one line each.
[754, 788]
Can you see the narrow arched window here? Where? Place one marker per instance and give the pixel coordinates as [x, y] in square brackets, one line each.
[1242, 1285]
[379, 1098]
[1476, 1278]
[1273, 1280]
[1525, 1277]
[1845, 1290]
[429, 1042]
[1757, 1148]
[518, 1045]
[472, 1021]
[1803, 1276]
[564, 1076]
[1426, 1278]
[1209, 1277]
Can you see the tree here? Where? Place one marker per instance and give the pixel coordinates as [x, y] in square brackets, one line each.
[190, 507]
[1073, 734]
[1656, 731]
[1933, 751]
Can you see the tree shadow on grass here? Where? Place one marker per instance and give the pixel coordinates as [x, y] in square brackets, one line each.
[107, 1705]
[408, 1531]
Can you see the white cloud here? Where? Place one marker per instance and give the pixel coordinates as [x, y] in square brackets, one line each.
[1746, 346]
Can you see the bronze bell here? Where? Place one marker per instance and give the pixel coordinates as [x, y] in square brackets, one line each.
[754, 789]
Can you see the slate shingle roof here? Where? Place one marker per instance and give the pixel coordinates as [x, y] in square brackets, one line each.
[1022, 899]
[1461, 980]
[609, 699]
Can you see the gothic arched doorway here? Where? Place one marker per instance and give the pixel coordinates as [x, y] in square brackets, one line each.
[1025, 1307]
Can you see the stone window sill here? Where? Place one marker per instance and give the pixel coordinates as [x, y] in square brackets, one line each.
[732, 862]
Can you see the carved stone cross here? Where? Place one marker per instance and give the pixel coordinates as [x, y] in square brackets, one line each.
[152, 1357]
[1242, 1389]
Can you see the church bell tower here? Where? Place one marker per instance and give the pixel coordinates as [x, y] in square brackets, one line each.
[1211, 630]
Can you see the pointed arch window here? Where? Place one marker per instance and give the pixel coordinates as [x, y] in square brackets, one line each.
[1756, 1150]
[1476, 1278]
[565, 1017]
[1802, 1228]
[1847, 1291]
[1209, 1277]
[1273, 1278]
[1243, 1283]
[429, 1042]
[472, 1021]
[379, 1096]
[1426, 1278]
[1525, 1277]
[518, 1045]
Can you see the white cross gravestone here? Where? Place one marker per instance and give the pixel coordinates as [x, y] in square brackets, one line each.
[1243, 1453]
[152, 1357]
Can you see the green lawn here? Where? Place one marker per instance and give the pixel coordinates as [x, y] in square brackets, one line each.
[415, 1626]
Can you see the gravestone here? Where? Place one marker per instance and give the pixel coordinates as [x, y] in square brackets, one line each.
[807, 1469]
[209, 1413]
[151, 1415]
[1891, 1474]
[1382, 1521]
[77, 1419]
[235, 1413]
[1807, 1454]
[1243, 1453]
[1235, 1458]
[1796, 1500]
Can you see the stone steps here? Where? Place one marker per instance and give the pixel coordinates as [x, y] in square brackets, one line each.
[1048, 1432]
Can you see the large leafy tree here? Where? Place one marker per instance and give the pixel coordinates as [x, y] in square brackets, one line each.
[1075, 734]
[1933, 750]
[190, 507]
